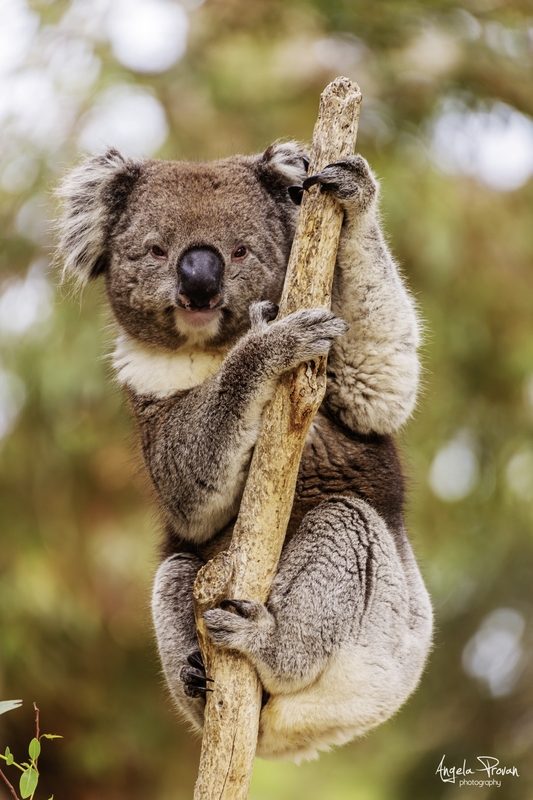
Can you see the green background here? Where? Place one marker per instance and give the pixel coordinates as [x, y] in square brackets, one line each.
[446, 124]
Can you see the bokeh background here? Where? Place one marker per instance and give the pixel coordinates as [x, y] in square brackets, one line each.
[447, 124]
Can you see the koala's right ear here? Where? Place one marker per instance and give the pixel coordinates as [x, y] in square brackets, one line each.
[94, 195]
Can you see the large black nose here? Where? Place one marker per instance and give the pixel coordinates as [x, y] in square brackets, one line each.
[200, 272]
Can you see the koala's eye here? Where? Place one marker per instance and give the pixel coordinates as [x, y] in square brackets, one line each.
[157, 251]
[240, 251]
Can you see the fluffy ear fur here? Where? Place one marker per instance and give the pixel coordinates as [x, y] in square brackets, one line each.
[94, 195]
[284, 164]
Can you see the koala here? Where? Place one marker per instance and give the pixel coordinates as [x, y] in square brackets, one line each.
[194, 256]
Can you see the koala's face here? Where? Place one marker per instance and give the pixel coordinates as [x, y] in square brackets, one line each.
[185, 248]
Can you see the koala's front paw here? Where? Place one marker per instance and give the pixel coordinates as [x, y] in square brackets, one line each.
[307, 334]
[193, 676]
[351, 181]
[238, 624]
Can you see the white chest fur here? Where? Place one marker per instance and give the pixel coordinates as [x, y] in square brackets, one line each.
[155, 371]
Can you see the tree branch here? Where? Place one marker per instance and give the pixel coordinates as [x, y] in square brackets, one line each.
[247, 568]
[37, 727]
[9, 785]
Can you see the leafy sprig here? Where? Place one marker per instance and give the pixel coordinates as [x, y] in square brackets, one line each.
[29, 777]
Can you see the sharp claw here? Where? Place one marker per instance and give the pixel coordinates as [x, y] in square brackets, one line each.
[311, 180]
[198, 691]
[197, 674]
[196, 677]
[195, 683]
[321, 178]
[196, 660]
[198, 685]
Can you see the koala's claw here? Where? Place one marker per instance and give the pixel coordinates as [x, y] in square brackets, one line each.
[195, 660]
[193, 676]
[322, 179]
[351, 181]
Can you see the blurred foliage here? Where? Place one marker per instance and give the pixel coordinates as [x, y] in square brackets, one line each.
[79, 535]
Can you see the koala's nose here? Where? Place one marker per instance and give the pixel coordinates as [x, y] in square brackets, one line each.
[200, 272]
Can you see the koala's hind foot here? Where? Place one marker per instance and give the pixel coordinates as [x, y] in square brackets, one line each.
[173, 615]
[343, 639]
[351, 181]
[236, 623]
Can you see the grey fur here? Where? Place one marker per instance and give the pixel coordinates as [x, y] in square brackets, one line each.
[346, 631]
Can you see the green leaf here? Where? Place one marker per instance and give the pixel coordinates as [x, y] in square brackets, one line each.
[8, 756]
[28, 782]
[50, 736]
[9, 705]
[34, 748]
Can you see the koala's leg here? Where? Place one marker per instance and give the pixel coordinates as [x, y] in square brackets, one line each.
[173, 616]
[344, 636]
[373, 370]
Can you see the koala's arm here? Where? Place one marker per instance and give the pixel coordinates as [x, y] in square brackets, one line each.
[373, 371]
[197, 445]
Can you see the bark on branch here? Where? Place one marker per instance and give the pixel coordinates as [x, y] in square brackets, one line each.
[247, 568]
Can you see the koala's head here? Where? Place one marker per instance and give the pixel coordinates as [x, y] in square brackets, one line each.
[184, 248]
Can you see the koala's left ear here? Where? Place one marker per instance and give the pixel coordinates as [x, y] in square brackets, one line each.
[94, 195]
[283, 165]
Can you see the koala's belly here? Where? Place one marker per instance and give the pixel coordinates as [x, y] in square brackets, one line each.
[338, 461]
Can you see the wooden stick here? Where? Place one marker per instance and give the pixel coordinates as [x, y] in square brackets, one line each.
[247, 568]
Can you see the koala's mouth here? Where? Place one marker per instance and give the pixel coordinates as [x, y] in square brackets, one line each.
[196, 318]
